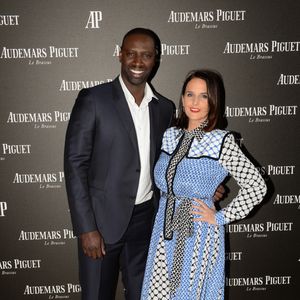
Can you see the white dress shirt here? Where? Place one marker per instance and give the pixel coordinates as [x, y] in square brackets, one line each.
[141, 120]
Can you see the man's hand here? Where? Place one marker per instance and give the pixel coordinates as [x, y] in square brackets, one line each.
[93, 244]
[219, 193]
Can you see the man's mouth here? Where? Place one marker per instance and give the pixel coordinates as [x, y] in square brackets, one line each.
[136, 72]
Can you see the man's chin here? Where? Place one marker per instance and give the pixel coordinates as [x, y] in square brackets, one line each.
[138, 81]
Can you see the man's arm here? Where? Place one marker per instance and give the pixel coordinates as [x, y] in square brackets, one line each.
[77, 157]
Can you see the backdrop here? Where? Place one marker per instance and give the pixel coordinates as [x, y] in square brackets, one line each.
[49, 50]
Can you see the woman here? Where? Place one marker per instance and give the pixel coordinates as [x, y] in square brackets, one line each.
[186, 255]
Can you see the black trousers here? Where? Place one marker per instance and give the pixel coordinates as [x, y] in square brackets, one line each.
[99, 278]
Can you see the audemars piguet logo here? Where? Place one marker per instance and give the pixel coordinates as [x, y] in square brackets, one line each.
[175, 49]
[262, 50]
[288, 79]
[13, 149]
[245, 228]
[261, 114]
[70, 85]
[10, 267]
[94, 19]
[233, 256]
[287, 200]
[49, 52]
[40, 56]
[260, 230]
[166, 49]
[259, 283]
[3, 208]
[204, 19]
[9, 20]
[44, 180]
[277, 170]
[40, 120]
[49, 238]
[53, 291]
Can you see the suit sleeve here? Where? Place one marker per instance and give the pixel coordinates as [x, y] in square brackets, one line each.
[252, 186]
[77, 159]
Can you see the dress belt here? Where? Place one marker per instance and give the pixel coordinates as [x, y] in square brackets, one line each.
[182, 222]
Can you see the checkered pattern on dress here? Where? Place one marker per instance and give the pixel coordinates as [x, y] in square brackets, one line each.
[183, 224]
[216, 245]
[195, 257]
[159, 287]
[252, 185]
[210, 145]
[203, 267]
[170, 139]
[207, 145]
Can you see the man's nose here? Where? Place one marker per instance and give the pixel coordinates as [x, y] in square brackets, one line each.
[138, 60]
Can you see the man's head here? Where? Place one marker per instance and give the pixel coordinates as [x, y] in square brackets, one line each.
[140, 52]
[148, 32]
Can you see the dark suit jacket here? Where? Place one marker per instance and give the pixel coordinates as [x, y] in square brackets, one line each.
[102, 159]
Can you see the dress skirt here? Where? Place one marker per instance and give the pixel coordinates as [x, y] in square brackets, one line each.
[202, 273]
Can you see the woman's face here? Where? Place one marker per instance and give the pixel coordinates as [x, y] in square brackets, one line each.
[195, 102]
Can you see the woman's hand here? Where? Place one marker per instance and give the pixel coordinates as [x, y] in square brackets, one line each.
[203, 213]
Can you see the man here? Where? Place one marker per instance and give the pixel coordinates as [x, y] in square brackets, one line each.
[112, 143]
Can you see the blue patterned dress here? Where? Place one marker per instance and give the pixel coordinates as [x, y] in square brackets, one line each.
[186, 258]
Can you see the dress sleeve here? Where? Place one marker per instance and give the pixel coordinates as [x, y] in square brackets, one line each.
[252, 185]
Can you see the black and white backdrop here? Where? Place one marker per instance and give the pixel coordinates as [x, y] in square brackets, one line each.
[49, 50]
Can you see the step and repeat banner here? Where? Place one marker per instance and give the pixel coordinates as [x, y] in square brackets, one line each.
[49, 50]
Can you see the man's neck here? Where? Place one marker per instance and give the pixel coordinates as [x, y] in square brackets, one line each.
[137, 92]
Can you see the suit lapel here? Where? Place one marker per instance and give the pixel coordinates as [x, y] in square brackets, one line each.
[154, 126]
[124, 114]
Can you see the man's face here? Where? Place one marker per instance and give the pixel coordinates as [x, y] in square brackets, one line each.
[137, 59]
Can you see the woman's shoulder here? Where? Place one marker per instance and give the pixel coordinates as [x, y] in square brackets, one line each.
[217, 133]
[171, 138]
[210, 145]
[171, 131]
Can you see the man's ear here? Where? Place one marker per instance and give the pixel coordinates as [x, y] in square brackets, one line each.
[120, 56]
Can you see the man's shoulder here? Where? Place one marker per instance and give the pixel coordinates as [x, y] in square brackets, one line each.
[164, 101]
[102, 88]
[162, 98]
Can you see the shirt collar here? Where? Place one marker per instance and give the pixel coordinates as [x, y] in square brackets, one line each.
[148, 93]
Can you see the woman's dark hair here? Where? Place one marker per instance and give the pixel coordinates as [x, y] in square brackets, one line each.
[216, 98]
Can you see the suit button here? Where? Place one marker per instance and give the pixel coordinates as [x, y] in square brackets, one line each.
[138, 170]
